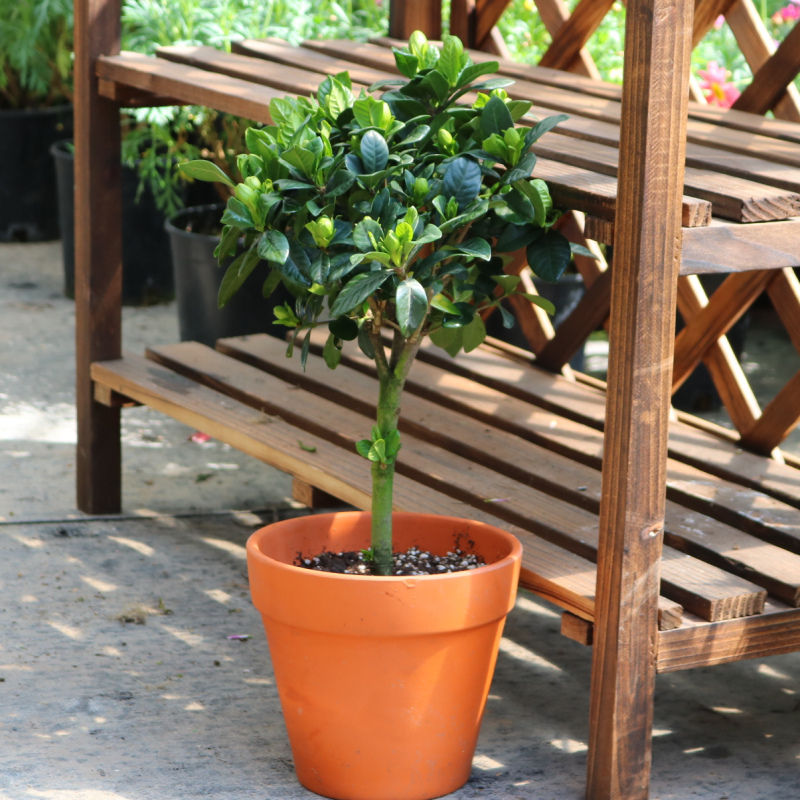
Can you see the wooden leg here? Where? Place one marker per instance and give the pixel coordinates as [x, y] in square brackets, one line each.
[643, 300]
[313, 497]
[98, 255]
[407, 16]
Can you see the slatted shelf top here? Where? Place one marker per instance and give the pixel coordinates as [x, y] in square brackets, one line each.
[741, 168]
[489, 436]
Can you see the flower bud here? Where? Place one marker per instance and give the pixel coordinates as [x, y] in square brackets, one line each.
[253, 183]
[444, 138]
[421, 189]
[245, 194]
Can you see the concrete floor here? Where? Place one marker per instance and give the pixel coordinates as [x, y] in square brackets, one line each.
[95, 708]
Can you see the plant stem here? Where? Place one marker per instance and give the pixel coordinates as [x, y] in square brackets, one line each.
[391, 389]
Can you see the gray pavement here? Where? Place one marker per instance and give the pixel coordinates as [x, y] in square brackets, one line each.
[119, 682]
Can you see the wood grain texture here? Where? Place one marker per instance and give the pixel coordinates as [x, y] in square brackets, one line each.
[705, 590]
[757, 46]
[697, 644]
[721, 361]
[769, 83]
[570, 38]
[733, 197]
[784, 293]
[98, 256]
[645, 272]
[312, 497]
[487, 15]
[248, 68]
[588, 316]
[408, 16]
[778, 420]
[190, 85]
[725, 307]
[554, 13]
[577, 629]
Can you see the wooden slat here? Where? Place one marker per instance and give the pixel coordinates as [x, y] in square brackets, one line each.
[784, 292]
[577, 629]
[128, 97]
[739, 248]
[98, 256]
[191, 85]
[312, 497]
[734, 198]
[685, 579]
[255, 70]
[769, 83]
[706, 13]
[724, 117]
[575, 33]
[487, 15]
[725, 307]
[782, 150]
[596, 194]
[775, 631]
[562, 577]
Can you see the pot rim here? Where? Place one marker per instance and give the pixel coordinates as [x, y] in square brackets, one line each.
[503, 563]
[172, 228]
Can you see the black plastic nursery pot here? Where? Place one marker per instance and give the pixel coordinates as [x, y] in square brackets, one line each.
[28, 200]
[146, 260]
[193, 238]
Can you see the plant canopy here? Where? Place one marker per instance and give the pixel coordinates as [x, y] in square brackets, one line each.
[387, 216]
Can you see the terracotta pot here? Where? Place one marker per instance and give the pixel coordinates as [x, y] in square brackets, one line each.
[382, 680]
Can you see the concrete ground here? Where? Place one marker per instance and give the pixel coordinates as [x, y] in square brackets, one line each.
[118, 682]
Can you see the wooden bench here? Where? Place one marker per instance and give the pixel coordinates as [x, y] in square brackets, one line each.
[587, 476]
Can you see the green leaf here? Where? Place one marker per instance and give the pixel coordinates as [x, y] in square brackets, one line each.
[237, 214]
[406, 63]
[580, 250]
[378, 451]
[344, 328]
[549, 255]
[515, 237]
[361, 234]
[430, 234]
[519, 202]
[274, 246]
[287, 184]
[374, 152]
[474, 71]
[236, 274]
[227, 244]
[203, 170]
[540, 301]
[309, 448]
[304, 352]
[539, 195]
[436, 83]
[449, 339]
[363, 447]
[365, 344]
[542, 127]
[331, 353]
[462, 180]
[508, 282]
[472, 335]
[479, 248]
[522, 169]
[411, 305]
[495, 118]
[357, 290]
[339, 183]
[449, 63]
[271, 283]
[443, 303]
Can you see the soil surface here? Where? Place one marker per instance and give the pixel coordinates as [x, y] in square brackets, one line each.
[412, 562]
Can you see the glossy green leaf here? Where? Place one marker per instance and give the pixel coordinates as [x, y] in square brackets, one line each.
[515, 237]
[363, 447]
[443, 303]
[549, 255]
[237, 214]
[357, 290]
[449, 339]
[331, 353]
[472, 335]
[495, 118]
[344, 328]
[227, 244]
[406, 63]
[236, 274]
[274, 246]
[411, 305]
[374, 152]
[540, 301]
[580, 250]
[203, 170]
[462, 181]
[271, 283]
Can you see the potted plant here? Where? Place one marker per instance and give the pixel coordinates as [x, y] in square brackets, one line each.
[388, 217]
[35, 111]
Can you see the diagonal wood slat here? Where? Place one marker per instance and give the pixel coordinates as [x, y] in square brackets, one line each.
[575, 33]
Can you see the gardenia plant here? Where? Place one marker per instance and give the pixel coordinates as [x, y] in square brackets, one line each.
[381, 215]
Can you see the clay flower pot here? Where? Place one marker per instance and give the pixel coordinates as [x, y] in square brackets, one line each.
[382, 680]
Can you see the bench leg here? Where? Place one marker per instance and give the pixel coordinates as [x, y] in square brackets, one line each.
[407, 16]
[643, 299]
[98, 256]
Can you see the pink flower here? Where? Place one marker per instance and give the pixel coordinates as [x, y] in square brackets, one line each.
[787, 14]
[719, 22]
[716, 88]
